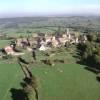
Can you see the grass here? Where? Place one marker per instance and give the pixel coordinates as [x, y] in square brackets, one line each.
[73, 83]
[23, 31]
[68, 81]
[4, 43]
[60, 82]
[10, 76]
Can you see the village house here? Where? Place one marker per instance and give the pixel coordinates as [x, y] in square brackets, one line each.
[46, 41]
[9, 50]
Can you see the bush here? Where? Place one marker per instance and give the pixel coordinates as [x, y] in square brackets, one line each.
[7, 57]
[97, 59]
[48, 62]
[59, 61]
[90, 52]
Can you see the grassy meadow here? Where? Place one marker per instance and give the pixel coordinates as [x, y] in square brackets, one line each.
[60, 82]
[63, 81]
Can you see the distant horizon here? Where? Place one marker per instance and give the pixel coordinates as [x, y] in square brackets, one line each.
[20, 8]
[57, 15]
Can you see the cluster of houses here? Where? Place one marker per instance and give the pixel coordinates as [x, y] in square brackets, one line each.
[44, 42]
[10, 51]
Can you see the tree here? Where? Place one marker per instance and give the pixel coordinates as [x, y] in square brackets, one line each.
[92, 37]
[97, 59]
[30, 83]
[58, 32]
[90, 52]
[98, 38]
[34, 54]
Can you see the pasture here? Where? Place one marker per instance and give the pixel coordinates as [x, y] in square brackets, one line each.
[68, 81]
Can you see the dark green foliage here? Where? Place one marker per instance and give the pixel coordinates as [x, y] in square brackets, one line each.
[30, 88]
[34, 55]
[21, 60]
[30, 84]
[92, 37]
[7, 57]
[48, 62]
[59, 60]
[90, 52]
[97, 59]
[18, 94]
[98, 38]
[67, 44]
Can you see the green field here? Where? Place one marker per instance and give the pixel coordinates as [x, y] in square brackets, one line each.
[59, 82]
[69, 81]
[4, 43]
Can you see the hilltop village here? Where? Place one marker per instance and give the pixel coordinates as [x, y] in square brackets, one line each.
[43, 42]
[47, 41]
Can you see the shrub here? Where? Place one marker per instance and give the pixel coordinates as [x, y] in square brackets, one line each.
[48, 62]
[7, 57]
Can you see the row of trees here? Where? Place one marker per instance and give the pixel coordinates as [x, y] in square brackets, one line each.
[30, 84]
